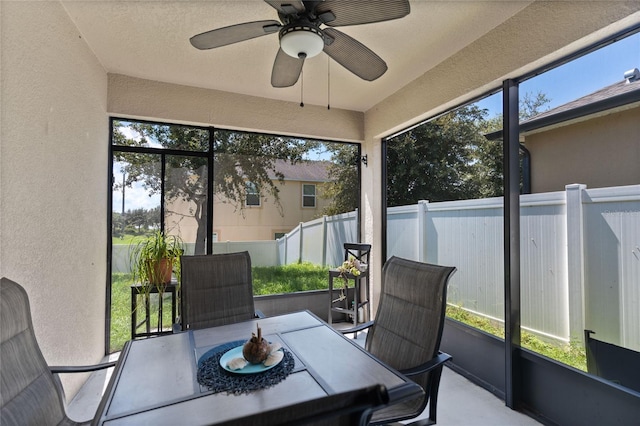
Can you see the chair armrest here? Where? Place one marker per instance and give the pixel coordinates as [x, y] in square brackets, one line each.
[357, 328]
[432, 364]
[259, 314]
[56, 369]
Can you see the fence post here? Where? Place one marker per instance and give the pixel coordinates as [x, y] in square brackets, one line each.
[422, 230]
[357, 231]
[575, 260]
[300, 248]
[324, 240]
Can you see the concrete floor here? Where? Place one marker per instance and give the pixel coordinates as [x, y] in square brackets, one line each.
[460, 402]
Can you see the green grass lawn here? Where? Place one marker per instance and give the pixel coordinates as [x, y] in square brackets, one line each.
[289, 278]
[266, 280]
[127, 239]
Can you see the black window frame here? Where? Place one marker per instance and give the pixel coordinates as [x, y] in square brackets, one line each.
[252, 193]
[307, 196]
[163, 152]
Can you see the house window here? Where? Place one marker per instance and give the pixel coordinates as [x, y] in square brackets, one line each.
[253, 196]
[308, 195]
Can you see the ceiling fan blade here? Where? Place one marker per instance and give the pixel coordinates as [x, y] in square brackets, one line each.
[286, 70]
[233, 34]
[363, 12]
[354, 56]
[286, 7]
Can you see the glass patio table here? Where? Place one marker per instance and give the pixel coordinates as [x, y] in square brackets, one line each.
[155, 381]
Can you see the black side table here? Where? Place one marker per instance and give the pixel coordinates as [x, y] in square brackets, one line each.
[356, 302]
[145, 292]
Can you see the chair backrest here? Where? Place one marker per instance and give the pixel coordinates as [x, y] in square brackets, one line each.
[357, 250]
[215, 289]
[30, 393]
[410, 317]
[344, 409]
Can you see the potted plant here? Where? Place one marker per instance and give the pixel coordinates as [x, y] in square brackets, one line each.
[154, 259]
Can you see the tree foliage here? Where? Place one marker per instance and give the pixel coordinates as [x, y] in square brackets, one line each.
[343, 188]
[433, 161]
[239, 158]
[136, 222]
[449, 158]
[489, 167]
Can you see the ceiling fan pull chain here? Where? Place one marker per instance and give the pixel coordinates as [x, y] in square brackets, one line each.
[301, 87]
[328, 82]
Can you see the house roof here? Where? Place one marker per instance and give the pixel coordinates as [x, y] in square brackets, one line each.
[621, 94]
[308, 171]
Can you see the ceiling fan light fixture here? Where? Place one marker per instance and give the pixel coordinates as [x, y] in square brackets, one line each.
[301, 41]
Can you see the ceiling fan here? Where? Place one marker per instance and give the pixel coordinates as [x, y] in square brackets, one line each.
[303, 34]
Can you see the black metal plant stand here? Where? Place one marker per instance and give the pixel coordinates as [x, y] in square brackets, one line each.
[145, 291]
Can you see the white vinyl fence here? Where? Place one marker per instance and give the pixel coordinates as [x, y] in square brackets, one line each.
[319, 241]
[580, 258]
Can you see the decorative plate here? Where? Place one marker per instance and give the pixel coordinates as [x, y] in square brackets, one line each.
[249, 368]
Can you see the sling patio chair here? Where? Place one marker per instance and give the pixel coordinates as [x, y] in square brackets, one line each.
[407, 330]
[215, 289]
[32, 393]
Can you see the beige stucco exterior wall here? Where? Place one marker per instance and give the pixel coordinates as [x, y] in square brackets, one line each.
[599, 152]
[53, 180]
[139, 98]
[252, 223]
[261, 222]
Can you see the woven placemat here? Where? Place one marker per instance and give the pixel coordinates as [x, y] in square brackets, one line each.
[215, 378]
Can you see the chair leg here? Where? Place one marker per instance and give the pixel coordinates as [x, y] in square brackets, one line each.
[433, 393]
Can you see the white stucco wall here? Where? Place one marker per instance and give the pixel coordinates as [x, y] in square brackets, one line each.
[53, 180]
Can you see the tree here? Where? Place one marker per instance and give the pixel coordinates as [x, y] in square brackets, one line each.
[532, 105]
[344, 186]
[489, 167]
[238, 158]
[434, 161]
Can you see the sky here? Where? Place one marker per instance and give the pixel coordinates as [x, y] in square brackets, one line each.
[561, 85]
[135, 196]
[579, 77]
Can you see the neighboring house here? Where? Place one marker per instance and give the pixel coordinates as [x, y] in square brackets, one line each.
[260, 218]
[593, 140]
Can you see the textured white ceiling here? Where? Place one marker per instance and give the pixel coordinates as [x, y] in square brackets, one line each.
[150, 39]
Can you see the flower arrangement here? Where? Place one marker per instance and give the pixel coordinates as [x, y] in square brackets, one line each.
[350, 267]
